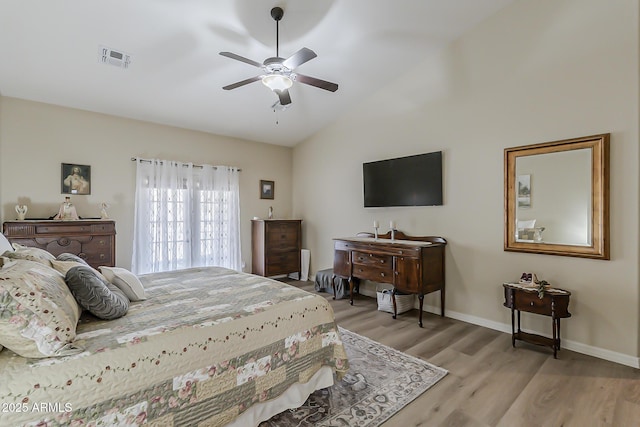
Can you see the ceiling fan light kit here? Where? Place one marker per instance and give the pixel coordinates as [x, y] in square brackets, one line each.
[279, 73]
[277, 82]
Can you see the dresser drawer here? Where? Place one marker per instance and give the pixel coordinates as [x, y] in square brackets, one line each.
[109, 228]
[283, 257]
[282, 237]
[529, 301]
[370, 259]
[62, 229]
[282, 263]
[97, 258]
[382, 274]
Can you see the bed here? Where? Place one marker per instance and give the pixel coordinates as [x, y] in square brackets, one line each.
[209, 347]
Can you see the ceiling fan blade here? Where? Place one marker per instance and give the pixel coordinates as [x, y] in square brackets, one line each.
[242, 83]
[299, 58]
[284, 96]
[241, 59]
[312, 81]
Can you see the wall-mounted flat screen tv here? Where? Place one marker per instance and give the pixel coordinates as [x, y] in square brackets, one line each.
[405, 181]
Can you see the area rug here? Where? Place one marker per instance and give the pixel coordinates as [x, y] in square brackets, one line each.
[380, 382]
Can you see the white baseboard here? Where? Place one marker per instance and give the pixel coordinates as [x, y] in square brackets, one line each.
[600, 353]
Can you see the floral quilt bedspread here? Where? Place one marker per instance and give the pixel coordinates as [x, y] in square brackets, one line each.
[206, 345]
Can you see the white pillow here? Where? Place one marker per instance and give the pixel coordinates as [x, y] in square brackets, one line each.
[531, 223]
[4, 244]
[126, 281]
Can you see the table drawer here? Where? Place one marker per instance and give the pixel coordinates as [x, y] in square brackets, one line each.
[370, 259]
[382, 274]
[529, 301]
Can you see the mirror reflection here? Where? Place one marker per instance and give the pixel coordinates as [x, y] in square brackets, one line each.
[557, 199]
[554, 198]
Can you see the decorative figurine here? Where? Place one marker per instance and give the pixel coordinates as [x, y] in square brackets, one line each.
[21, 211]
[67, 211]
[103, 210]
[270, 212]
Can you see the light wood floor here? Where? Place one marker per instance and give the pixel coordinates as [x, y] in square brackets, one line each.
[489, 382]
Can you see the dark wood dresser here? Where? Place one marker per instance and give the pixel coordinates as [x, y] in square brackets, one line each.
[275, 246]
[413, 265]
[92, 240]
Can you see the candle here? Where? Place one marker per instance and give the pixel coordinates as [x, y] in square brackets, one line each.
[376, 224]
[392, 225]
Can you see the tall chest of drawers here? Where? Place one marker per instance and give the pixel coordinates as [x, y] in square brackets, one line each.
[275, 246]
[92, 240]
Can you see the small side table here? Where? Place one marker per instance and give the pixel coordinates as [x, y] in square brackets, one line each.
[554, 303]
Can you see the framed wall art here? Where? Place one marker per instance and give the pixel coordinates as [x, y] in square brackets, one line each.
[75, 179]
[266, 189]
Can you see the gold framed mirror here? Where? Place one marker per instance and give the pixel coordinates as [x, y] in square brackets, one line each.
[556, 197]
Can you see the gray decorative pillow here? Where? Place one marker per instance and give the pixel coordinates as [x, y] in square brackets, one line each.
[70, 257]
[96, 295]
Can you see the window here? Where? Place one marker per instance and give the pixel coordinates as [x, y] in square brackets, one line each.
[185, 216]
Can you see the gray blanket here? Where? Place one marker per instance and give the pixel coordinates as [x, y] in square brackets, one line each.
[323, 284]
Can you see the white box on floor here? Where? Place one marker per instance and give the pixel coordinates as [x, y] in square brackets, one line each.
[305, 256]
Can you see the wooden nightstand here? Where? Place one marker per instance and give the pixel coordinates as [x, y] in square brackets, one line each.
[554, 303]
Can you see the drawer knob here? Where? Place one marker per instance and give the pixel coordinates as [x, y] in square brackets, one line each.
[531, 303]
[382, 274]
[82, 255]
[381, 261]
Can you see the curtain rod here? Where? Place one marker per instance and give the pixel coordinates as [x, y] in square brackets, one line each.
[135, 159]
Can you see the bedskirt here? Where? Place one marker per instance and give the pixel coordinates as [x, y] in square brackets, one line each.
[206, 345]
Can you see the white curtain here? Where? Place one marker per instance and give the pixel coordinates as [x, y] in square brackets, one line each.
[185, 216]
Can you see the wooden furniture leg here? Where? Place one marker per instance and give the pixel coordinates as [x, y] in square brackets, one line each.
[558, 323]
[333, 285]
[351, 290]
[421, 299]
[513, 329]
[393, 299]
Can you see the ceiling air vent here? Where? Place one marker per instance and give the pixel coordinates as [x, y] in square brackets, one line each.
[109, 56]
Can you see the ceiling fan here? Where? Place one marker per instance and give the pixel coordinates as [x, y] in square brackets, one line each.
[278, 73]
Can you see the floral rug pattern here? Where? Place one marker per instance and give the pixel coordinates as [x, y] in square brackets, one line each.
[380, 382]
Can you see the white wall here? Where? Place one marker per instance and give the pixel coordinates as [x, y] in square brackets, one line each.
[36, 138]
[538, 71]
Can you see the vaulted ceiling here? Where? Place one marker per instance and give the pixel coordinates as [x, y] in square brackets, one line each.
[51, 52]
